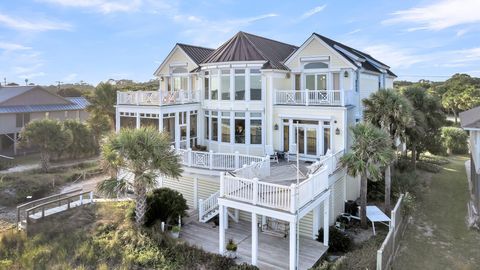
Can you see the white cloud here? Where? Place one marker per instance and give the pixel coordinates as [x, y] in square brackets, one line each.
[439, 15]
[38, 25]
[31, 75]
[354, 31]
[210, 33]
[394, 56]
[103, 6]
[312, 12]
[12, 46]
[70, 77]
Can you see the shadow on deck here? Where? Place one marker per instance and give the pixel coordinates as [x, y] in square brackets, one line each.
[273, 251]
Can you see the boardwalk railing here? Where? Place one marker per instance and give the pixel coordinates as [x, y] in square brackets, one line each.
[387, 252]
[314, 97]
[216, 161]
[50, 205]
[157, 98]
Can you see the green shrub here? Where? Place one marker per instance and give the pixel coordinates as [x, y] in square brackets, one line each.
[429, 167]
[403, 182]
[455, 140]
[166, 205]
[338, 241]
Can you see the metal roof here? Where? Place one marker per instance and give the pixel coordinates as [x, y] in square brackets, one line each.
[197, 53]
[9, 92]
[470, 119]
[78, 103]
[247, 47]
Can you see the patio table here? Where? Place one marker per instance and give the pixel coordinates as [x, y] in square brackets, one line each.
[374, 214]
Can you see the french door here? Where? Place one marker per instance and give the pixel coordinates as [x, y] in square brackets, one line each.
[307, 140]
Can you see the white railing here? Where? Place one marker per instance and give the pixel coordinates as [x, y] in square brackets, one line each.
[315, 97]
[208, 205]
[386, 253]
[157, 97]
[282, 197]
[259, 169]
[217, 161]
[242, 187]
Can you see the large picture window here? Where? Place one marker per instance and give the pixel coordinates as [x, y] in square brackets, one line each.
[225, 84]
[214, 86]
[255, 84]
[206, 84]
[240, 127]
[240, 84]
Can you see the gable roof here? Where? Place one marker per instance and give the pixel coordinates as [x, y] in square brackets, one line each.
[247, 47]
[10, 92]
[76, 103]
[197, 53]
[354, 56]
[470, 119]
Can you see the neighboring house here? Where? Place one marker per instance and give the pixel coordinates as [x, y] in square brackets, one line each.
[249, 98]
[470, 121]
[22, 104]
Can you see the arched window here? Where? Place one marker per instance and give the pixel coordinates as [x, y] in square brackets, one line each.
[315, 65]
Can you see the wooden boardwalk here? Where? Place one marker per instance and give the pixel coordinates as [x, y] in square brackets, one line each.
[272, 250]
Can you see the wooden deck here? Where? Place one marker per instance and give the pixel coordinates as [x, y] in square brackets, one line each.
[273, 251]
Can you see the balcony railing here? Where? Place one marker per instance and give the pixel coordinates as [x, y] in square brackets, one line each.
[220, 161]
[315, 97]
[282, 197]
[157, 98]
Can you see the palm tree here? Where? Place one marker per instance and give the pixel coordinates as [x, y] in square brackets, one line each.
[102, 102]
[144, 152]
[371, 150]
[392, 112]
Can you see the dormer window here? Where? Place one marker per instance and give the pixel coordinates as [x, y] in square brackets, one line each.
[315, 65]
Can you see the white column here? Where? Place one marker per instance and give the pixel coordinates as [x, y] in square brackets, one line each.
[160, 122]
[188, 129]
[138, 120]
[293, 245]
[254, 239]
[177, 131]
[117, 120]
[326, 220]
[316, 221]
[15, 142]
[226, 218]
[221, 238]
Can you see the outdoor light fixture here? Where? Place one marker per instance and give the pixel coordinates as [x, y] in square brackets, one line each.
[275, 127]
[345, 74]
[337, 131]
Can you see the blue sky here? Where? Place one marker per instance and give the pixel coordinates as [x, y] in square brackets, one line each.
[94, 40]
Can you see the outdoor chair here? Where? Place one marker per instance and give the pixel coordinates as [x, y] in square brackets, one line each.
[273, 154]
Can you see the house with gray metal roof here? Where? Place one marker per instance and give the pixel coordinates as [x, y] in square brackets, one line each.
[22, 104]
[251, 100]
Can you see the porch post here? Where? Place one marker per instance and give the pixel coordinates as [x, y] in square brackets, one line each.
[326, 222]
[221, 220]
[15, 142]
[188, 130]
[293, 245]
[117, 120]
[177, 130]
[138, 120]
[254, 238]
[316, 221]
[226, 218]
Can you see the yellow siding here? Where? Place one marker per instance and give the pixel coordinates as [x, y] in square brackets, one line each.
[207, 188]
[315, 48]
[183, 185]
[178, 56]
[337, 201]
[306, 224]
[368, 85]
[353, 187]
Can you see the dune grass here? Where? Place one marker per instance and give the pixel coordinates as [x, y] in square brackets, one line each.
[438, 237]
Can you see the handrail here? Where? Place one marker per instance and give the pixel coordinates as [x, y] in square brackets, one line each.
[314, 97]
[41, 200]
[43, 205]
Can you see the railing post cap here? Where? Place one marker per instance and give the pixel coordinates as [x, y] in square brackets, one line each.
[210, 151]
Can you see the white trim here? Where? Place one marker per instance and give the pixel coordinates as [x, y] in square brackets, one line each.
[319, 58]
[172, 52]
[307, 42]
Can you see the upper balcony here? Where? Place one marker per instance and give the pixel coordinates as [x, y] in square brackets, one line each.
[157, 98]
[316, 97]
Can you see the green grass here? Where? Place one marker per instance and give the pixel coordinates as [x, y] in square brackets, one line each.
[438, 237]
[15, 187]
[108, 238]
